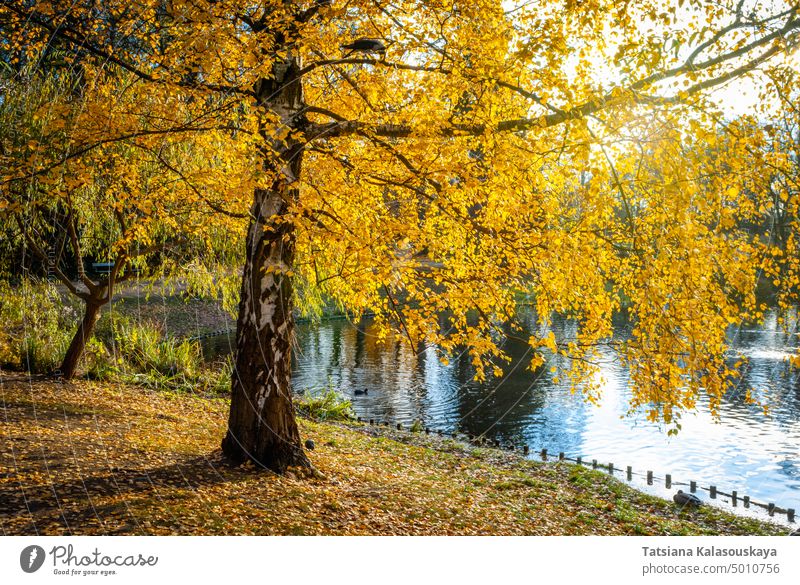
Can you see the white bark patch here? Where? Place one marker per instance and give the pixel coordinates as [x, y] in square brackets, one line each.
[263, 389]
[267, 313]
[269, 301]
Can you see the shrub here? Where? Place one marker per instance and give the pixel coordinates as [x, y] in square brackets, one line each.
[148, 358]
[218, 376]
[144, 347]
[38, 324]
[328, 405]
[101, 364]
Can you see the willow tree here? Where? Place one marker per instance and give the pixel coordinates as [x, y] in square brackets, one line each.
[119, 203]
[460, 154]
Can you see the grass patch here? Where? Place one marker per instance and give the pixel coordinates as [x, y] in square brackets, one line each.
[328, 405]
[139, 353]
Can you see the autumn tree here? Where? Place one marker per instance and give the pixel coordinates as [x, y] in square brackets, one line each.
[119, 203]
[460, 154]
[782, 184]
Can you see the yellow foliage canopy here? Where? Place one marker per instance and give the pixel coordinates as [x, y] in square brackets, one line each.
[575, 152]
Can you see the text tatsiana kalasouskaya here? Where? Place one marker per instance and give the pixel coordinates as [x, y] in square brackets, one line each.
[709, 551]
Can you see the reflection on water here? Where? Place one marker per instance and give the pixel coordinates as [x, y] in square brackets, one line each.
[747, 451]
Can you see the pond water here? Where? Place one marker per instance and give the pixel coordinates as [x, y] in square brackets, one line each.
[745, 451]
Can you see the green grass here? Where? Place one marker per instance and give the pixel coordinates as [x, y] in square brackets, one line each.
[327, 405]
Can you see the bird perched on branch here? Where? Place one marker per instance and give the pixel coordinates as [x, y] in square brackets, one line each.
[684, 499]
[365, 46]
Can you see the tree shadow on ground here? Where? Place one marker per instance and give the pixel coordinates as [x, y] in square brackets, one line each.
[92, 503]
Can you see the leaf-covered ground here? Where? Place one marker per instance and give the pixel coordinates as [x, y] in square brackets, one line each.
[100, 458]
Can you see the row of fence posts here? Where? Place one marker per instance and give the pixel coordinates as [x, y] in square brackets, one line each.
[712, 490]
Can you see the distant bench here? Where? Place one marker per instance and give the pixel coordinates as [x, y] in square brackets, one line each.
[107, 267]
[102, 267]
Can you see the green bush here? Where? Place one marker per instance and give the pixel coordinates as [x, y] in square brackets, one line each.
[101, 364]
[328, 405]
[145, 348]
[38, 324]
[145, 356]
[217, 376]
[109, 322]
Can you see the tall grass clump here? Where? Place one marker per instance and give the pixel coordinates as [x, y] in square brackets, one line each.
[325, 405]
[217, 376]
[145, 347]
[146, 356]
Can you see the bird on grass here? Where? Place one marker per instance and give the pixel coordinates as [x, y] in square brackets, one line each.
[683, 499]
[310, 444]
[365, 46]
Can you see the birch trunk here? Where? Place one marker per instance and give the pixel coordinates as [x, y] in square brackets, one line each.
[262, 426]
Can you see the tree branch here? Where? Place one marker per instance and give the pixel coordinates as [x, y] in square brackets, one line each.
[43, 257]
[76, 249]
[369, 61]
[64, 32]
[616, 96]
